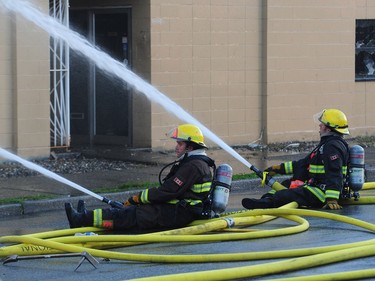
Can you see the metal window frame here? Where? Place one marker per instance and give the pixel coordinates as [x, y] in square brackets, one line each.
[363, 47]
[60, 81]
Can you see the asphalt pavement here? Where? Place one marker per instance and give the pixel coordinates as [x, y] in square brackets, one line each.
[321, 232]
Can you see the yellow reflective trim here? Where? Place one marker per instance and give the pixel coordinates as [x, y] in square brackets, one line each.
[344, 170]
[203, 187]
[317, 169]
[144, 197]
[195, 202]
[190, 201]
[317, 192]
[332, 194]
[98, 218]
[288, 166]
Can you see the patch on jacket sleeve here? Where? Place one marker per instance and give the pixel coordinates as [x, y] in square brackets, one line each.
[178, 181]
[334, 157]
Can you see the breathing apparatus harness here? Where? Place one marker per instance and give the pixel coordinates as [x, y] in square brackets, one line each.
[356, 175]
[356, 172]
[217, 199]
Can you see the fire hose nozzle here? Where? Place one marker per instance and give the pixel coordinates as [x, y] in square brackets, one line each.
[114, 204]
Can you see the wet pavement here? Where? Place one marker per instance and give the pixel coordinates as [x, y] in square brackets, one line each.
[321, 232]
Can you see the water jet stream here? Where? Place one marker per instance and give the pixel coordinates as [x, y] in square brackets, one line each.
[110, 65]
[119, 70]
[52, 175]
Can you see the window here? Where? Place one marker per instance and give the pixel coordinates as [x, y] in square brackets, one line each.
[365, 50]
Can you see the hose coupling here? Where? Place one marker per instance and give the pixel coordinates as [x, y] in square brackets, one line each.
[229, 221]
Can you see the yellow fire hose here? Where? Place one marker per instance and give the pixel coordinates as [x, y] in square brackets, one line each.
[272, 267]
[156, 237]
[368, 185]
[63, 244]
[197, 227]
[62, 241]
[324, 255]
[347, 275]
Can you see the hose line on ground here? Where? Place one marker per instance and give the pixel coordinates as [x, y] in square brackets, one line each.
[302, 258]
[313, 260]
[5, 251]
[347, 275]
[272, 267]
[197, 227]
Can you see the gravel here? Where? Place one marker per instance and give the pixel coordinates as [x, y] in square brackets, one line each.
[77, 163]
[73, 164]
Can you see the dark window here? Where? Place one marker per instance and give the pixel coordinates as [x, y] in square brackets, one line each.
[365, 50]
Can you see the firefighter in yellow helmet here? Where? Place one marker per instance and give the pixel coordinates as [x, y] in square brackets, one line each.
[175, 203]
[318, 179]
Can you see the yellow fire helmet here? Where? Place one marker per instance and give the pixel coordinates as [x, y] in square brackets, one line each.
[334, 119]
[188, 132]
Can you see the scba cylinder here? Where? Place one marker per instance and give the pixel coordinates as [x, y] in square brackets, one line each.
[356, 167]
[222, 183]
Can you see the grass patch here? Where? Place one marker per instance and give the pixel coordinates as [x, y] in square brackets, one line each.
[126, 187]
[244, 176]
[123, 187]
[20, 200]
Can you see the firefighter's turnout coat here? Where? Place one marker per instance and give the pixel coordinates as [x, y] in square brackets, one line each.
[323, 172]
[175, 203]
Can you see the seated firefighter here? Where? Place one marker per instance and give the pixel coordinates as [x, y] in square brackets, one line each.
[320, 176]
[175, 203]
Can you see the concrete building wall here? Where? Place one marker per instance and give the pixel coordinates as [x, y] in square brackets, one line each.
[249, 70]
[207, 57]
[310, 66]
[25, 84]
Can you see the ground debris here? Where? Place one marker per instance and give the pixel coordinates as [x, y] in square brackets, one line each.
[66, 165]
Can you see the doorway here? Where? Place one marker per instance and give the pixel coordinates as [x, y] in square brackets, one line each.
[100, 104]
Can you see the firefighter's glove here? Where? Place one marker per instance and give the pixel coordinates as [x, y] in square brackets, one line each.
[275, 169]
[332, 204]
[134, 200]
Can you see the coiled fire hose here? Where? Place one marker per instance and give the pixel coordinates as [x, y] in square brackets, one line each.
[299, 258]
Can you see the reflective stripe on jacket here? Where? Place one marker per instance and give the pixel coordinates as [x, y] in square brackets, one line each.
[189, 181]
[327, 167]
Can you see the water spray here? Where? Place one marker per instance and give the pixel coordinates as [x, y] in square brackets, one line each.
[119, 70]
[52, 175]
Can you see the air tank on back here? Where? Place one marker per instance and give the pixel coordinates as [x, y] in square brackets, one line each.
[222, 182]
[356, 167]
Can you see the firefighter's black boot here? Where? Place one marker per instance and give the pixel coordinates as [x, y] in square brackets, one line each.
[81, 208]
[77, 219]
[263, 203]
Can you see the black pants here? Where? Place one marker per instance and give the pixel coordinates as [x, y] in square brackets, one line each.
[145, 217]
[301, 195]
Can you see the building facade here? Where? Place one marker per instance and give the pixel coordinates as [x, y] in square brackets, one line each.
[252, 71]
